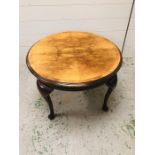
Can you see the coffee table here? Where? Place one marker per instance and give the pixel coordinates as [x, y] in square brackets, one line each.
[74, 61]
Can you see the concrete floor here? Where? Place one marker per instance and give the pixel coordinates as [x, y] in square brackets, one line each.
[81, 128]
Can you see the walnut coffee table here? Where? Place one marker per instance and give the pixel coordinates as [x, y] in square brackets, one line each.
[74, 61]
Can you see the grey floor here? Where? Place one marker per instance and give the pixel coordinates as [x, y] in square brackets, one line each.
[81, 127]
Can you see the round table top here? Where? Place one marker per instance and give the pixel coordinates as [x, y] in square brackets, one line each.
[73, 57]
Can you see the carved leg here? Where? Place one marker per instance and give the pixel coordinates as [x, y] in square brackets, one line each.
[45, 92]
[111, 83]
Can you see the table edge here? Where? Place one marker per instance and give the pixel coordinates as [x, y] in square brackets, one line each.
[74, 85]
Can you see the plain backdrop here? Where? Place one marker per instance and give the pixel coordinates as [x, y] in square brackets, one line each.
[109, 18]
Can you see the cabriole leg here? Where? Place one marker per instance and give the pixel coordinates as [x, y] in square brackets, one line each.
[111, 83]
[45, 92]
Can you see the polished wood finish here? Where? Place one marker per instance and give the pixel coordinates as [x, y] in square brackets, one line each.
[74, 61]
[45, 93]
[111, 83]
[73, 57]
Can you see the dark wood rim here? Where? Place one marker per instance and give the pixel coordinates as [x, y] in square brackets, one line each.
[73, 86]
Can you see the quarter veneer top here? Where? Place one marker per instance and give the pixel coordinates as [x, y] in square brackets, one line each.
[73, 57]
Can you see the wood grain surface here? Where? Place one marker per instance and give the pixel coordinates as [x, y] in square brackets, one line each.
[74, 57]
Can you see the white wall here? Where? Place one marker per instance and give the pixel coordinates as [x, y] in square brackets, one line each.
[39, 18]
[129, 48]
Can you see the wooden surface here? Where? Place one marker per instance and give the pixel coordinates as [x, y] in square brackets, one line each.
[74, 57]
